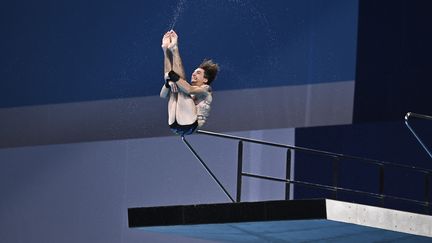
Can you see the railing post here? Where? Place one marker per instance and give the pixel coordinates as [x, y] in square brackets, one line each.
[427, 192]
[335, 176]
[414, 133]
[381, 183]
[288, 175]
[239, 170]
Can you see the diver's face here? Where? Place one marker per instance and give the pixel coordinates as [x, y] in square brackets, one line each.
[198, 78]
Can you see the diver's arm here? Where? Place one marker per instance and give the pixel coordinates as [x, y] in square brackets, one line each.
[185, 87]
[164, 92]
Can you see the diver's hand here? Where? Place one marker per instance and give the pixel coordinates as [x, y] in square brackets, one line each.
[173, 87]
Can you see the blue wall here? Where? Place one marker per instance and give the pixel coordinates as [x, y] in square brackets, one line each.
[392, 78]
[383, 141]
[56, 52]
[393, 61]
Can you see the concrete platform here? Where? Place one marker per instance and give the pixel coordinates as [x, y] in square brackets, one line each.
[285, 221]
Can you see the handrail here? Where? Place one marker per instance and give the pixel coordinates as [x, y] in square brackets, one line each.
[336, 156]
[334, 188]
[326, 153]
[421, 116]
[417, 115]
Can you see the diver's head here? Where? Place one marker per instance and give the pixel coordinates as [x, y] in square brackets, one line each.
[198, 77]
[205, 73]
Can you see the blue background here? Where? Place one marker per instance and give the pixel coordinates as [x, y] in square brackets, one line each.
[64, 51]
[54, 52]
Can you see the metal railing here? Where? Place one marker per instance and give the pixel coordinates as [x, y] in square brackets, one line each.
[207, 168]
[337, 157]
[420, 116]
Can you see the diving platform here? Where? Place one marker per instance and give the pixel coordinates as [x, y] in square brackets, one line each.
[284, 221]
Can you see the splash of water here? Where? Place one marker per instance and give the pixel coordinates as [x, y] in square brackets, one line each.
[177, 12]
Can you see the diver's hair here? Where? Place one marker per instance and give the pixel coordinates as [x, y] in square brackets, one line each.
[210, 70]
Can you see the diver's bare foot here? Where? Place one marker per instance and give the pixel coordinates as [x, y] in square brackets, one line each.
[174, 40]
[166, 40]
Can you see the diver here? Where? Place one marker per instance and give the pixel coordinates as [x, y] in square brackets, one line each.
[188, 104]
